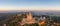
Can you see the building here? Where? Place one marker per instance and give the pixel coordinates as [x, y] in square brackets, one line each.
[28, 19]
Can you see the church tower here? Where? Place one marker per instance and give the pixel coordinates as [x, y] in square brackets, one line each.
[29, 16]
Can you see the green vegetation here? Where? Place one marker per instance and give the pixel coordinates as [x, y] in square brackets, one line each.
[14, 20]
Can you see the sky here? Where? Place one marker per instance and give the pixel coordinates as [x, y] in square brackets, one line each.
[29, 5]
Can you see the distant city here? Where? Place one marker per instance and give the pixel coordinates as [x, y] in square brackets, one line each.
[30, 18]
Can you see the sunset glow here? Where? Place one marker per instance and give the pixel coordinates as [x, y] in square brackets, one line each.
[29, 5]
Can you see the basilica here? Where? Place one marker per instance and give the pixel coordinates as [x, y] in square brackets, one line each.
[28, 20]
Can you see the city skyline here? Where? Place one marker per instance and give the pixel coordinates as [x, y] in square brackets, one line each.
[29, 5]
